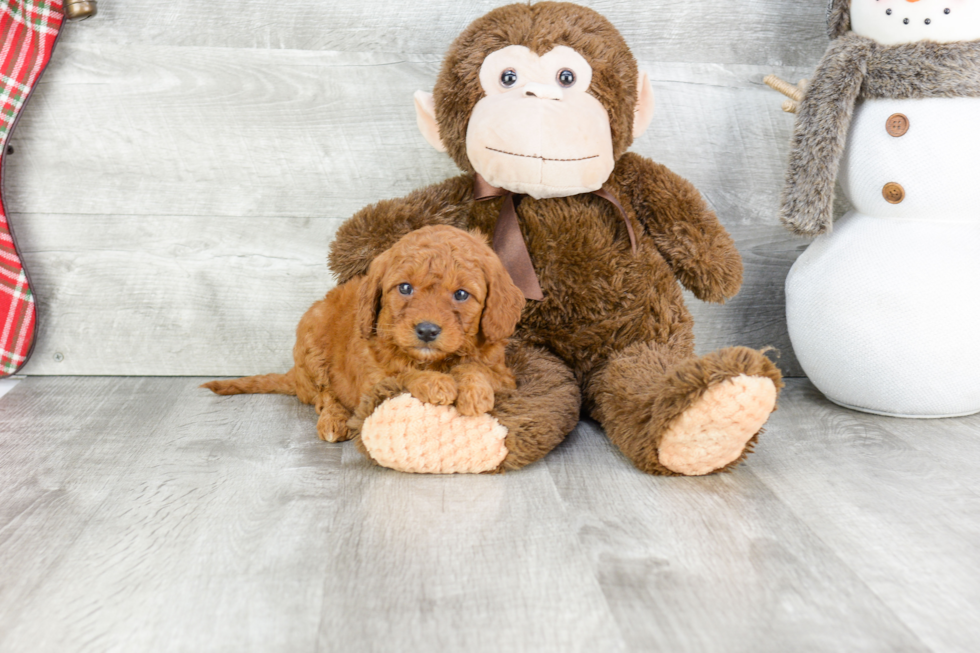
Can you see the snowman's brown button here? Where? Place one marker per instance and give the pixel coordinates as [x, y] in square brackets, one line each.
[897, 124]
[893, 193]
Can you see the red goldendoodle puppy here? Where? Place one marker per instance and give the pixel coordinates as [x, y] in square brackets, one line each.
[434, 311]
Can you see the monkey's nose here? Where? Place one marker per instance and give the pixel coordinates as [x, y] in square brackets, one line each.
[427, 331]
[543, 91]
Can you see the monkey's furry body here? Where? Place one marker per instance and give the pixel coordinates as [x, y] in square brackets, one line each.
[612, 328]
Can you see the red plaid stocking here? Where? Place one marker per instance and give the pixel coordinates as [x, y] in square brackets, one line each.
[28, 29]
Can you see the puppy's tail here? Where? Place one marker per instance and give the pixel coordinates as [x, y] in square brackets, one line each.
[280, 384]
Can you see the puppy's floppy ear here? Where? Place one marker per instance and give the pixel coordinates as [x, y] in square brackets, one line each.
[504, 303]
[369, 298]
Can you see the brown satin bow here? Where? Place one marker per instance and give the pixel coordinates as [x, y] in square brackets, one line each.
[508, 242]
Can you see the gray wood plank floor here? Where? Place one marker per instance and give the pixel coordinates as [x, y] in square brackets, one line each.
[145, 514]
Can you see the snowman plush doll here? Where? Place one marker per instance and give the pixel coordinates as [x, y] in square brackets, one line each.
[884, 308]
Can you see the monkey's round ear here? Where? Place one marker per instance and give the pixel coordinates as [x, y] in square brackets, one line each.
[425, 115]
[644, 106]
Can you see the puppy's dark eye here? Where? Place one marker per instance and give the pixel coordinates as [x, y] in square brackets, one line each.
[566, 77]
[461, 295]
[405, 288]
[508, 78]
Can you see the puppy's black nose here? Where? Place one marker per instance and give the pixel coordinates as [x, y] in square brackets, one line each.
[427, 331]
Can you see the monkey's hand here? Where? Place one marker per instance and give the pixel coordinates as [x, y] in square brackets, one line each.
[685, 230]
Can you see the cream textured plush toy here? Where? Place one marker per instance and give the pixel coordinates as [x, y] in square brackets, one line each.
[884, 310]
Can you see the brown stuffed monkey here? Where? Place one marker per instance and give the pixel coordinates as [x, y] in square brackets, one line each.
[537, 104]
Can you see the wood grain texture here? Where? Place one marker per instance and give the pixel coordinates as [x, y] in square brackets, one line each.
[150, 515]
[763, 32]
[151, 295]
[169, 519]
[184, 228]
[461, 563]
[889, 506]
[206, 167]
[952, 443]
[140, 515]
[713, 564]
[6, 385]
[258, 133]
[167, 295]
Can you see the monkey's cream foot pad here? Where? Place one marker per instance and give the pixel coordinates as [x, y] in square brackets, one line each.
[409, 436]
[713, 432]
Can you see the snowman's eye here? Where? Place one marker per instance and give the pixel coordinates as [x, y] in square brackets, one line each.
[888, 12]
[945, 11]
[906, 21]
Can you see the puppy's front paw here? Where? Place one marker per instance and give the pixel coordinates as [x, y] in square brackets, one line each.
[433, 388]
[475, 397]
[332, 428]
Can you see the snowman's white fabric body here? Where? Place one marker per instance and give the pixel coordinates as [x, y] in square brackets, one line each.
[884, 311]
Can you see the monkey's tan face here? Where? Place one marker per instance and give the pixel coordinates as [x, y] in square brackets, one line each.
[537, 131]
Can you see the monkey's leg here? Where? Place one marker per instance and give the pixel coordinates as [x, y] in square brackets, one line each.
[541, 411]
[398, 431]
[676, 414]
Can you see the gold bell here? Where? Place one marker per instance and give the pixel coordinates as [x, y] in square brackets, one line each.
[80, 9]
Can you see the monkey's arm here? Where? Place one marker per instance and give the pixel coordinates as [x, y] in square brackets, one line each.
[377, 227]
[687, 233]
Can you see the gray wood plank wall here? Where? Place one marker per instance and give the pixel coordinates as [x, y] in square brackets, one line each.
[178, 175]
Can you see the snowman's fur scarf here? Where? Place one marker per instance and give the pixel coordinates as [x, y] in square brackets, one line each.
[838, 18]
[856, 68]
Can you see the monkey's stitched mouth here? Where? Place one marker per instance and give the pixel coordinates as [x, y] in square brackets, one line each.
[543, 158]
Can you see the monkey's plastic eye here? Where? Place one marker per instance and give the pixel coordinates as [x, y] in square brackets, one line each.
[508, 78]
[461, 295]
[566, 77]
[405, 288]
